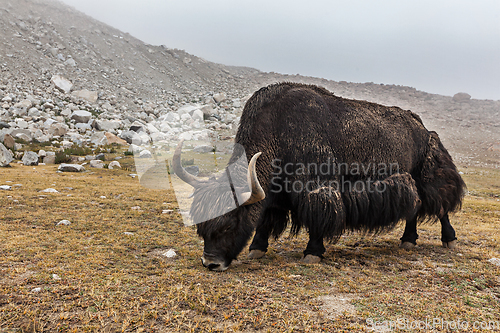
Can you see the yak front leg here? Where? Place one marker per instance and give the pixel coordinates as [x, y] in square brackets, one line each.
[272, 218]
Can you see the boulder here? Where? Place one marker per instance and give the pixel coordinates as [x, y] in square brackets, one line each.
[107, 125]
[23, 136]
[165, 127]
[461, 97]
[203, 149]
[62, 83]
[30, 158]
[187, 109]
[114, 164]
[131, 137]
[90, 96]
[57, 129]
[66, 144]
[26, 104]
[172, 117]
[6, 156]
[9, 141]
[49, 159]
[71, 168]
[198, 115]
[114, 139]
[97, 164]
[145, 154]
[219, 97]
[81, 116]
[98, 138]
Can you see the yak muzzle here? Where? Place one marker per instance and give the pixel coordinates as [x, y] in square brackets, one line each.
[213, 264]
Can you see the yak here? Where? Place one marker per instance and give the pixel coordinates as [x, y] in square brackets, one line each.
[328, 165]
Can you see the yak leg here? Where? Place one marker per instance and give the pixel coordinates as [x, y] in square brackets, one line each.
[410, 236]
[315, 249]
[272, 219]
[260, 242]
[447, 233]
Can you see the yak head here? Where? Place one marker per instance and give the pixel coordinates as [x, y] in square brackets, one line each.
[226, 225]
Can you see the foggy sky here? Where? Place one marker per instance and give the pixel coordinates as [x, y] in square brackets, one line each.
[438, 46]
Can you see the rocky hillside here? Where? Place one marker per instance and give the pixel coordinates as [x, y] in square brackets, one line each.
[66, 77]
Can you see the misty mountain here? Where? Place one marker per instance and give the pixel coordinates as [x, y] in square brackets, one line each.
[43, 38]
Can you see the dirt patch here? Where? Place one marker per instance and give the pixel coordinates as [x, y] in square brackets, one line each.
[338, 304]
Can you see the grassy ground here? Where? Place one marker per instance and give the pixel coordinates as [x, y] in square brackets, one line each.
[110, 275]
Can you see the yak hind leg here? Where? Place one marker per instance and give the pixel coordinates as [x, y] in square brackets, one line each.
[448, 237]
[410, 236]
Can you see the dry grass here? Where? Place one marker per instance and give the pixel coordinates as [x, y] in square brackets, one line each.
[111, 281]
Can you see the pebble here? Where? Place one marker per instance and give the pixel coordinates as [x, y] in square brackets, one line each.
[64, 222]
[494, 261]
[50, 190]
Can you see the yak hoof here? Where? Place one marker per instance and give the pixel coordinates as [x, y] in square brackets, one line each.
[256, 254]
[310, 259]
[450, 245]
[407, 245]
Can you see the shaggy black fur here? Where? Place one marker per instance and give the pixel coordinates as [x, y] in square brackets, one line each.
[300, 127]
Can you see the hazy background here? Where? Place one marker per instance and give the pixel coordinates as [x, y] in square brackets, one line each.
[436, 46]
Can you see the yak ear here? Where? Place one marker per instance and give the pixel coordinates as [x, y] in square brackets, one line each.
[257, 193]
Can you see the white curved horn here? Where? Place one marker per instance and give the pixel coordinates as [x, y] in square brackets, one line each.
[257, 193]
[180, 171]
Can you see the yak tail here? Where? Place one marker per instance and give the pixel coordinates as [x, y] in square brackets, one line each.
[441, 186]
[374, 207]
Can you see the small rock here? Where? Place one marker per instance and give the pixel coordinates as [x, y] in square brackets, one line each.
[90, 96]
[64, 222]
[50, 190]
[70, 62]
[128, 233]
[170, 253]
[494, 261]
[62, 83]
[26, 104]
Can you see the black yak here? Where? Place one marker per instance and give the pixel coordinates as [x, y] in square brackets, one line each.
[327, 164]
